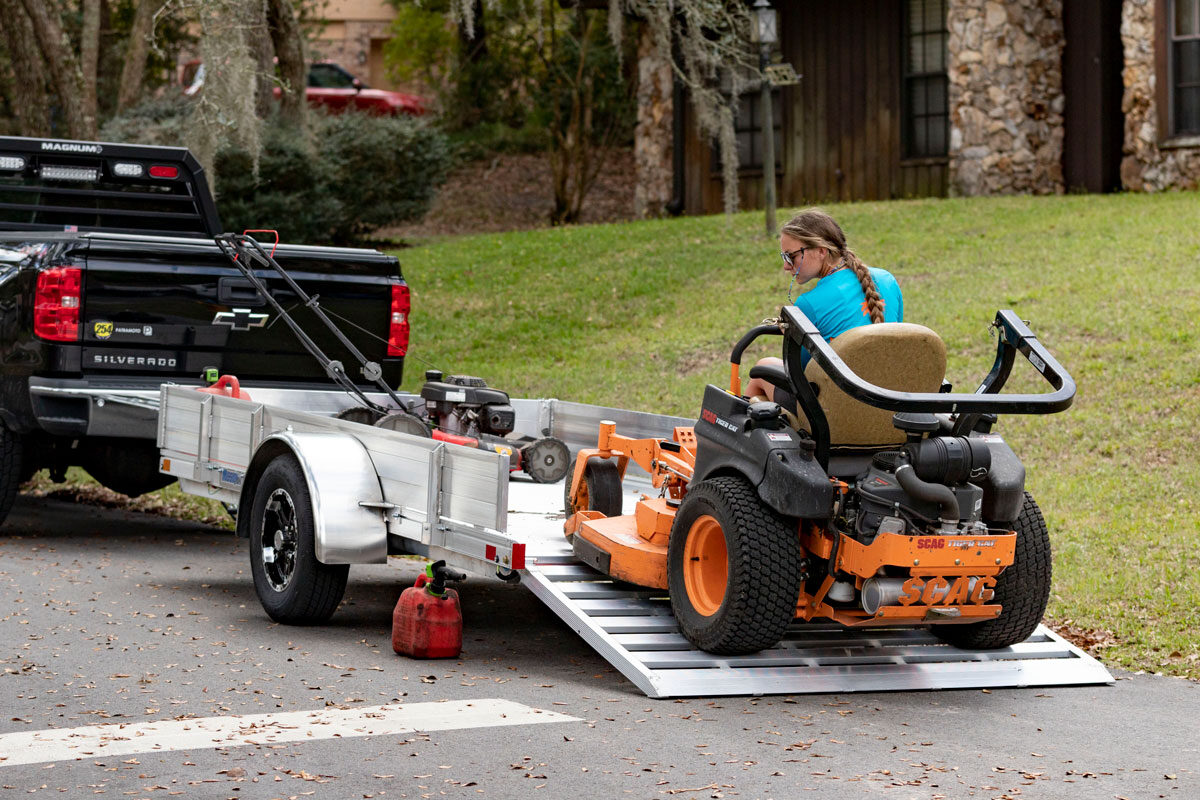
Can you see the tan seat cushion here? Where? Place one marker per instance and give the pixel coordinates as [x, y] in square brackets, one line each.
[895, 355]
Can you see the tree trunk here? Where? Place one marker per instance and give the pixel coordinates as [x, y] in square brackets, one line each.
[258, 38]
[89, 53]
[134, 70]
[30, 100]
[288, 40]
[652, 139]
[65, 72]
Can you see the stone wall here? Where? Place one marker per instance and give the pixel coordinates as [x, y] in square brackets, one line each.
[1146, 166]
[1006, 96]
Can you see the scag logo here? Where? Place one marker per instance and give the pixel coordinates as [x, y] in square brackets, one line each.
[931, 543]
[708, 416]
[939, 591]
[103, 330]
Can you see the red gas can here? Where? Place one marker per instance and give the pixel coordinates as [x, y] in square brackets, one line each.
[427, 621]
[226, 386]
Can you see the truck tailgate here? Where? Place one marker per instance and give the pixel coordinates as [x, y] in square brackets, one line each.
[176, 306]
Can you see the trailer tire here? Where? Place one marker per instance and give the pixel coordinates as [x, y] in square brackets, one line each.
[599, 491]
[733, 568]
[12, 452]
[1023, 590]
[293, 587]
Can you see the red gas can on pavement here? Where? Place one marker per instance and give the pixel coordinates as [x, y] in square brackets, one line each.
[427, 621]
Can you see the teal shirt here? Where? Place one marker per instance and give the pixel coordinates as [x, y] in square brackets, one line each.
[836, 304]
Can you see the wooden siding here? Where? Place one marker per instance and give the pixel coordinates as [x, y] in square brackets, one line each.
[841, 124]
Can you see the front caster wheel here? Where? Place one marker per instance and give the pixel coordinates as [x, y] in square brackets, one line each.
[733, 568]
[293, 587]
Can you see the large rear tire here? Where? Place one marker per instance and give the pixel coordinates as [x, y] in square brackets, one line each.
[293, 587]
[599, 491]
[1023, 590]
[733, 568]
[12, 451]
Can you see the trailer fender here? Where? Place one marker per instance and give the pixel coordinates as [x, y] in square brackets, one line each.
[340, 477]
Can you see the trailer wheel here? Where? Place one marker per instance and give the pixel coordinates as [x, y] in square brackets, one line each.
[404, 422]
[12, 451]
[600, 489]
[1022, 590]
[293, 587]
[733, 568]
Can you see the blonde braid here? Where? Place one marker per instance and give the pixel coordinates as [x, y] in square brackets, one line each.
[870, 292]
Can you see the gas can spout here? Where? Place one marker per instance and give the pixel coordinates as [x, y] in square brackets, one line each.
[439, 575]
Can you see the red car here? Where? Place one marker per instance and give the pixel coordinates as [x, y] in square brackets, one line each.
[332, 87]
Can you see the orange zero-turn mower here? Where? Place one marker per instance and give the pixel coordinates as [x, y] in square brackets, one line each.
[827, 504]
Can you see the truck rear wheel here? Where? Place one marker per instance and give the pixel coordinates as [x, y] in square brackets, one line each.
[600, 489]
[293, 587]
[1022, 590]
[12, 450]
[733, 568]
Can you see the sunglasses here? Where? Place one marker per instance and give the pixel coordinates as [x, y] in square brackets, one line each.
[790, 258]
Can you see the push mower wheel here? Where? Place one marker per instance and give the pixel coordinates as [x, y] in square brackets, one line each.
[546, 460]
[404, 422]
[359, 414]
[733, 568]
[1023, 590]
[292, 585]
[599, 491]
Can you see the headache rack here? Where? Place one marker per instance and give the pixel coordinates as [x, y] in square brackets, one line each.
[57, 184]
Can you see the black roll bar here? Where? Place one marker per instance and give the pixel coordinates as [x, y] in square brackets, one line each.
[1013, 335]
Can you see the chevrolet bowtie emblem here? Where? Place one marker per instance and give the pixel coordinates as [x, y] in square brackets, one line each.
[240, 319]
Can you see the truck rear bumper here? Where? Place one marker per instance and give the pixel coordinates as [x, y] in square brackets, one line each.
[79, 407]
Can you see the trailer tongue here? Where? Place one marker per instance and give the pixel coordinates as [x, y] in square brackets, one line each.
[375, 491]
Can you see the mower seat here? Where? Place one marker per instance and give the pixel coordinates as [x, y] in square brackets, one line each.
[895, 355]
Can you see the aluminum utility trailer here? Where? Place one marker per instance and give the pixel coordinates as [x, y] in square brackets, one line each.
[373, 489]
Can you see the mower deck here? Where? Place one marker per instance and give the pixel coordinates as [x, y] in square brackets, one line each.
[633, 629]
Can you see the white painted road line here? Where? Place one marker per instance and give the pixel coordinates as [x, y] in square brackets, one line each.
[119, 739]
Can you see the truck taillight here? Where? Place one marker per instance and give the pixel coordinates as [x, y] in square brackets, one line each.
[398, 324]
[56, 304]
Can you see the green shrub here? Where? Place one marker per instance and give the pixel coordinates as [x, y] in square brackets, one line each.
[339, 182]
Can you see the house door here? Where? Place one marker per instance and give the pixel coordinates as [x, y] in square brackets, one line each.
[1094, 126]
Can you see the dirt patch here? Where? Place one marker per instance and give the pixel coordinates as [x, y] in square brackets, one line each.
[512, 192]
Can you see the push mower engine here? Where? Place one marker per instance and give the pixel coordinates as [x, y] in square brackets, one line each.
[464, 410]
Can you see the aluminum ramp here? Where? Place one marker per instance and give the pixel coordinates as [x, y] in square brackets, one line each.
[634, 630]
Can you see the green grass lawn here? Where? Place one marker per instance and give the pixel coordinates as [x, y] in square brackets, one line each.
[642, 315]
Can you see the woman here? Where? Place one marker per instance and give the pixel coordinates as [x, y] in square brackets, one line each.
[847, 294]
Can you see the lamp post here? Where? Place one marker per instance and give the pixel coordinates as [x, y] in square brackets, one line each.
[766, 35]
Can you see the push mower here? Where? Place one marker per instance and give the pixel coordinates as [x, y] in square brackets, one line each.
[462, 409]
[826, 504]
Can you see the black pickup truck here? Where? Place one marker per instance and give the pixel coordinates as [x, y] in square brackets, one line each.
[111, 284]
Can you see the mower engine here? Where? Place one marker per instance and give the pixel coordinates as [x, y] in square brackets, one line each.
[923, 489]
[463, 410]
[465, 406]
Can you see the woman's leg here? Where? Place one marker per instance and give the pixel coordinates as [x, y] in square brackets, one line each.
[757, 387]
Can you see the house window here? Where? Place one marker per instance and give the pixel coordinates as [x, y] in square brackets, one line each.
[1184, 31]
[749, 129]
[926, 110]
